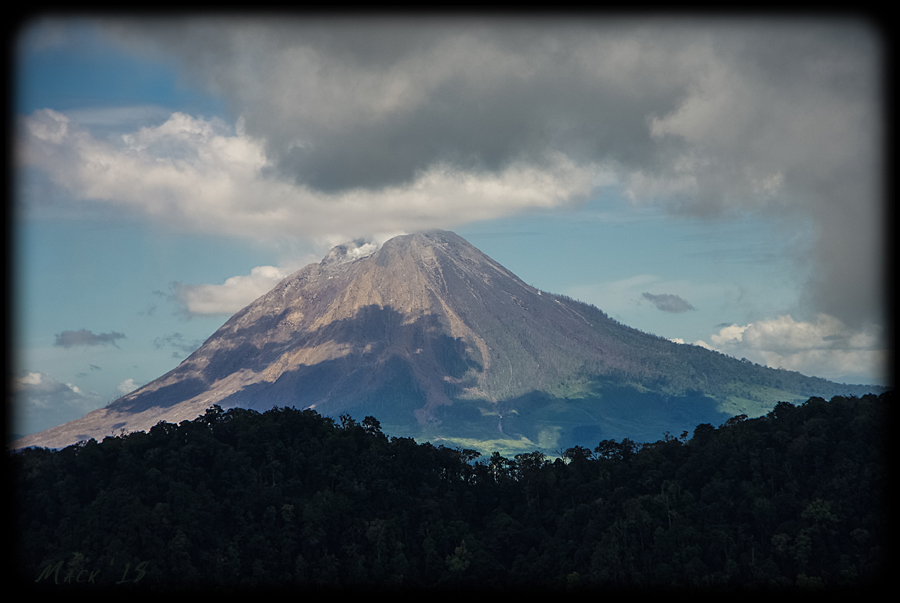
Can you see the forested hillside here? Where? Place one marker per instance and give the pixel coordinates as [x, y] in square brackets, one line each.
[285, 498]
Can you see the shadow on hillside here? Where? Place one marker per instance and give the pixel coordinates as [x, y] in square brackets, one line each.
[613, 413]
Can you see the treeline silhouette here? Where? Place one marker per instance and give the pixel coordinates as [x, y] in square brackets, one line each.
[244, 500]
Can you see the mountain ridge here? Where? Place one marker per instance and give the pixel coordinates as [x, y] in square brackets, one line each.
[432, 336]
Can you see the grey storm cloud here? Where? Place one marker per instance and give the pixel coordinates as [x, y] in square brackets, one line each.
[667, 302]
[68, 339]
[353, 103]
[706, 117]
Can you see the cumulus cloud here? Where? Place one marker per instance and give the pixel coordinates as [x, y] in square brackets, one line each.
[825, 348]
[127, 386]
[83, 337]
[668, 302]
[229, 297]
[43, 402]
[199, 174]
[356, 126]
[110, 118]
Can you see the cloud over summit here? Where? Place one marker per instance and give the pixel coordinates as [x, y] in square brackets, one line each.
[356, 126]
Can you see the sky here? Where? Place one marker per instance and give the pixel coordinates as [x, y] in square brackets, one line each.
[717, 182]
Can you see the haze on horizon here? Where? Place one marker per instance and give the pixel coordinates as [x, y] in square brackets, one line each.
[714, 181]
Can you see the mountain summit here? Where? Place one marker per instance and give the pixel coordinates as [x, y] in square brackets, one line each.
[438, 341]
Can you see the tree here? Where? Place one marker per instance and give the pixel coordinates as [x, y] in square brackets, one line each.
[371, 425]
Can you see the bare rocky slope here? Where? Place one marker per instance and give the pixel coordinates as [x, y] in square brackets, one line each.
[439, 341]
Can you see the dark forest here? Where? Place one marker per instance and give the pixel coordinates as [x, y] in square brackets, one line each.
[288, 499]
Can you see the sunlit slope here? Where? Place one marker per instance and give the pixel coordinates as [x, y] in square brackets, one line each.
[437, 340]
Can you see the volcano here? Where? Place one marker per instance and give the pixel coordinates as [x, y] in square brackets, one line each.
[439, 342]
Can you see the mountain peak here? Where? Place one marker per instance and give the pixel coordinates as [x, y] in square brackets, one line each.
[430, 335]
[350, 252]
[362, 248]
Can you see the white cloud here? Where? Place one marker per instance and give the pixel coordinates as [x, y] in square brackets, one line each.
[200, 174]
[40, 390]
[231, 296]
[27, 380]
[111, 118]
[42, 402]
[48, 126]
[728, 335]
[127, 386]
[824, 348]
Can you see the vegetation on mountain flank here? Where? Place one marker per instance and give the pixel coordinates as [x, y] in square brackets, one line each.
[287, 498]
[441, 343]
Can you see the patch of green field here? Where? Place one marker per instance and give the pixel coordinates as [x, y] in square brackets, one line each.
[754, 401]
[584, 412]
[506, 447]
[549, 436]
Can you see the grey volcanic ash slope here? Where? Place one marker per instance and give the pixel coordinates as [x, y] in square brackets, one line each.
[431, 336]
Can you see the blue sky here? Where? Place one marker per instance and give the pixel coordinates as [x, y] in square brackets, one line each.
[711, 182]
